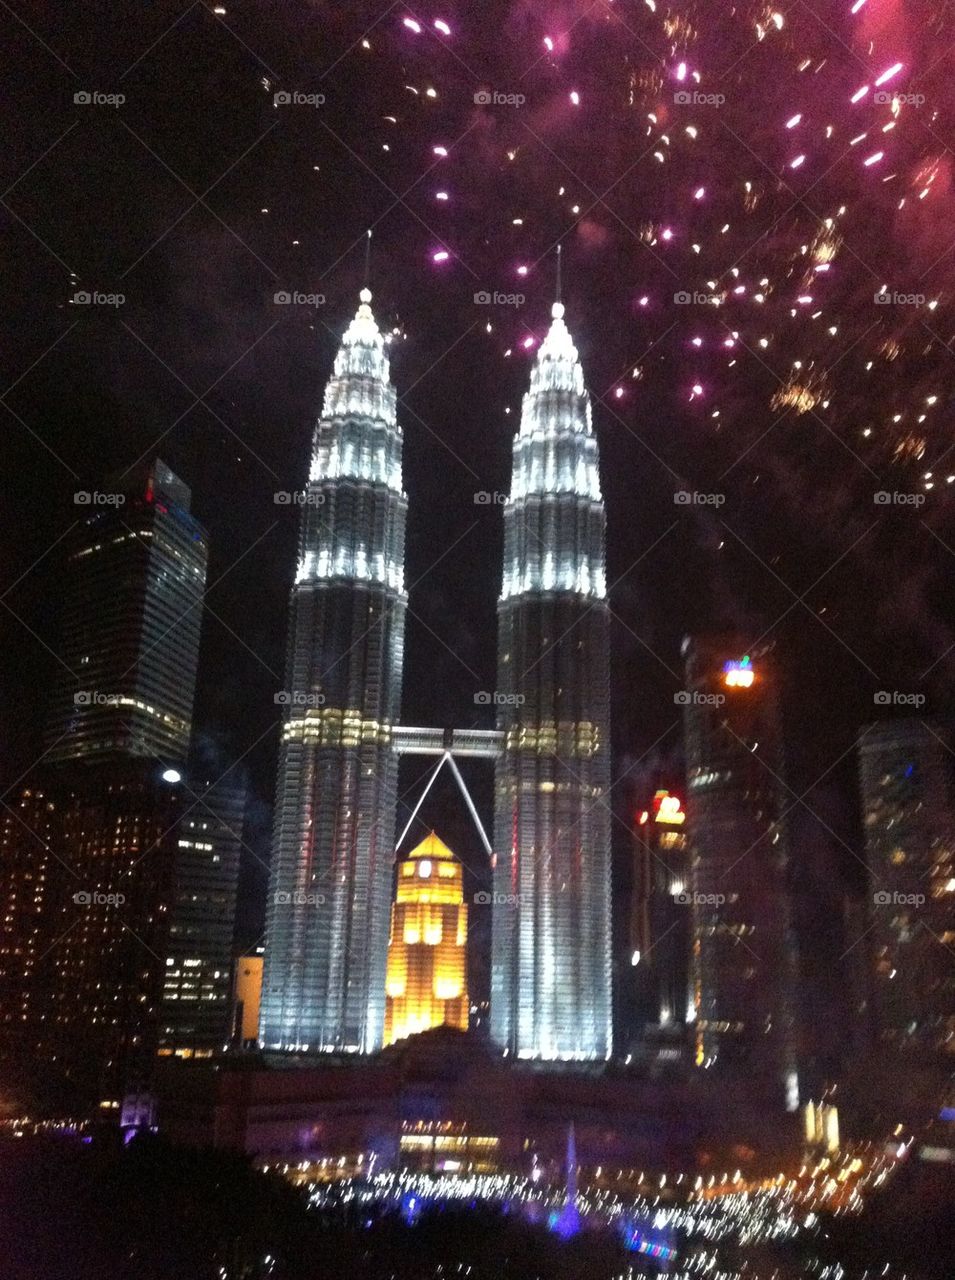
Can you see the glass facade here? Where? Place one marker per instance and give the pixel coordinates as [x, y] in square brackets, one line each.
[196, 1010]
[743, 949]
[551, 935]
[330, 886]
[910, 851]
[132, 611]
[659, 933]
[98, 985]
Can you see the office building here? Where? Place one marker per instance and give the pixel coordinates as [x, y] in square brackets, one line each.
[426, 984]
[133, 587]
[743, 949]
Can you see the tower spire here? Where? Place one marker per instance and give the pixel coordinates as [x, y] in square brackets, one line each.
[557, 300]
[366, 287]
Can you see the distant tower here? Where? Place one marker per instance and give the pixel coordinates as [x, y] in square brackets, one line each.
[133, 591]
[744, 960]
[659, 914]
[330, 889]
[550, 981]
[196, 1013]
[426, 984]
[910, 850]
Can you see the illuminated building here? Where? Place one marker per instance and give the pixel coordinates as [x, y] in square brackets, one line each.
[743, 960]
[125, 883]
[426, 984]
[446, 1097]
[822, 1126]
[910, 850]
[197, 982]
[550, 956]
[445, 1147]
[26, 824]
[107, 823]
[115, 834]
[659, 937]
[247, 997]
[133, 590]
[330, 884]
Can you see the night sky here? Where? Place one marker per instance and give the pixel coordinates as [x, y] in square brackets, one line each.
[811, 171]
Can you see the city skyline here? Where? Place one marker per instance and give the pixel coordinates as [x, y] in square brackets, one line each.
[477, 709]
[331, 462]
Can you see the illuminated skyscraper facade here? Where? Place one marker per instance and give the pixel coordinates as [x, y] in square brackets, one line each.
[743, 954]
[98, 986]
[196, 1011]
[330, 888]
[133, 592]
[27, 874]
[659, 912]
[551, 961]
[426, 984]
[910, 850]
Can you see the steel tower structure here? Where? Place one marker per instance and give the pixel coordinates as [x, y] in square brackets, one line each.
[551, 962]
[330, 890]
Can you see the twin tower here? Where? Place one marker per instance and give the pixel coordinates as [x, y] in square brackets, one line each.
[334, 842]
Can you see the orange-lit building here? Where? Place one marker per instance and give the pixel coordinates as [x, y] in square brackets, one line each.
[247, 997]
[426, 984]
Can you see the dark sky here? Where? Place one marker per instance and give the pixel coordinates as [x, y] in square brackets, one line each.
[198, 199]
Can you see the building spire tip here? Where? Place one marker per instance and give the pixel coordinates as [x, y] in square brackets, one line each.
[365, 288]
[557, 309]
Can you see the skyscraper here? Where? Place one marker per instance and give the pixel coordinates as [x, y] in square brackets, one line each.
[27, 867]
[90, 859]
[550, 981]
[743, 958]
[330, 887]
[196, 1013]
[133, 591]
[659, 916]
[426, 984]
[115, 831]
[910, 850]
